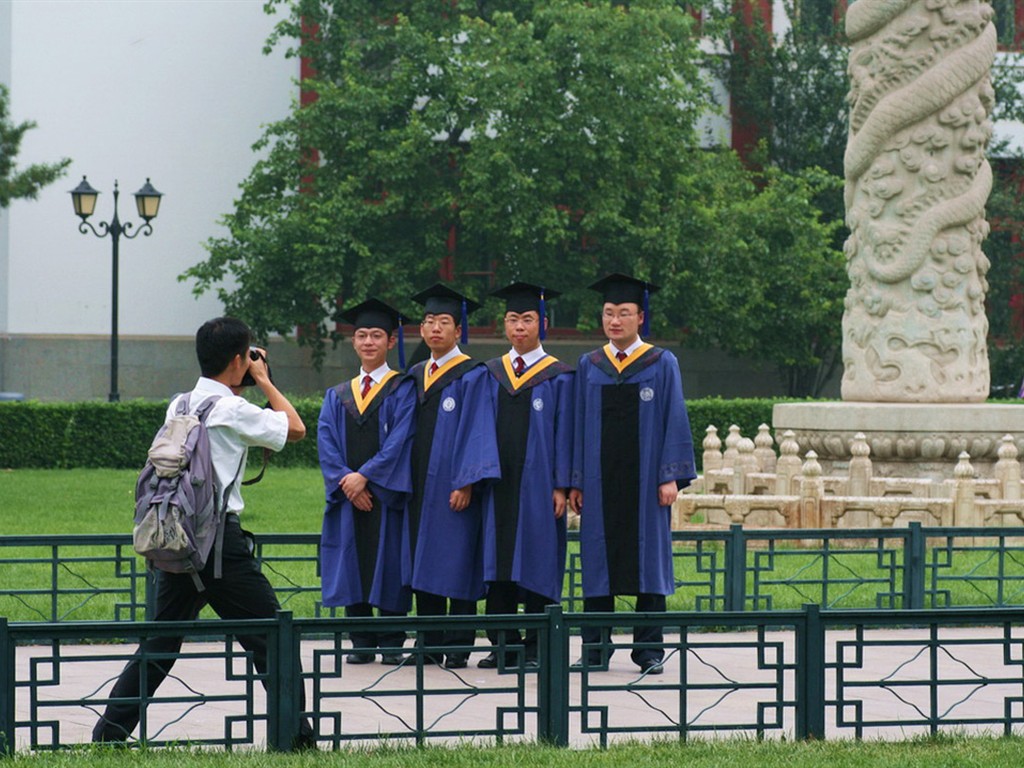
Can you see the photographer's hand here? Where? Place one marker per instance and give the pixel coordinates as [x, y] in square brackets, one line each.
[277, 402]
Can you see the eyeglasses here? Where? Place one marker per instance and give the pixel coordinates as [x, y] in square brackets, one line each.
[511, 319]
[441, 321]
[623, 315]
[371, 335]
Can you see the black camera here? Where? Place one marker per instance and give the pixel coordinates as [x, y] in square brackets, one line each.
[248, 380]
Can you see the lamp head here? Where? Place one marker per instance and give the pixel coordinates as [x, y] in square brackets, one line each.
[83, 198]
[147, 201]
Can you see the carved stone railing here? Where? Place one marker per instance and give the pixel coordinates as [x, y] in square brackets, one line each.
[748, 484]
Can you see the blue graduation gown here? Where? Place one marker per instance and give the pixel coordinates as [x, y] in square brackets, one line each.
[454, 445]
[631, 434]
[360, 551]
[523, 541]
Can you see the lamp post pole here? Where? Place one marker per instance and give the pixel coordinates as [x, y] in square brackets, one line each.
[147, 200]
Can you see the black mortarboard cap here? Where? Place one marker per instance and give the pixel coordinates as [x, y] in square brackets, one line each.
[374, 313]
[439, 299]
[617, 288]
[526, 297]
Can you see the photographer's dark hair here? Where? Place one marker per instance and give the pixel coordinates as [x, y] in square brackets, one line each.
[218, 341]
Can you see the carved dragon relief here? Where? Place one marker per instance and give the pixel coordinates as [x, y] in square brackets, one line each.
[914, 326]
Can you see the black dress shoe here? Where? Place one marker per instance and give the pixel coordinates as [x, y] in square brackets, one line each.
[456, 661]
[361, 658]
[305, 742]
[392, 659]
[651, 667]
[490, 661]
[590, 662]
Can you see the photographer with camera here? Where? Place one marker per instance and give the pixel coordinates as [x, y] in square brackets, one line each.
[241, 591]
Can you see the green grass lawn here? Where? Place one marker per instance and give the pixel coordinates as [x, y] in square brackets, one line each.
[931, 753]
[290, 500]
[101, 501]
[62, 501]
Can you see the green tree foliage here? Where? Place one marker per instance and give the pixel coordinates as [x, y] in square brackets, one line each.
[14, 184]
[555, 141]
[793, 86]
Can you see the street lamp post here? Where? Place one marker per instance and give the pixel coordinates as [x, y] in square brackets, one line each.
[147, 201]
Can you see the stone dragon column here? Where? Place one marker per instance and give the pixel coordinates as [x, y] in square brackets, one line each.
[914, 323]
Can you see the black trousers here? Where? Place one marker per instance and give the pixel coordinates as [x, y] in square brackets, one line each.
[242, 592]
[373, 640]
[428, 604]
[645, 603]
[503, 598]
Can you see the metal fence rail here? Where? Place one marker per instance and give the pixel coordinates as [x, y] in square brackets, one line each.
[91, 577]
[809, 673]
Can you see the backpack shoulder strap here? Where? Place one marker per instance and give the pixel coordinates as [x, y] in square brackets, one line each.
[218, 543]
[207, 405]
[181, 408]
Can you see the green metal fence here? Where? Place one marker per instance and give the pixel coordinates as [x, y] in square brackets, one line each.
[770, 633]
[90, 577]
[809, 673]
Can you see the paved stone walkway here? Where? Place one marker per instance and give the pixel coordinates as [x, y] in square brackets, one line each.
[886, 683]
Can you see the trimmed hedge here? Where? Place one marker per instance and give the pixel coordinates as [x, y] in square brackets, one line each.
[117, 435]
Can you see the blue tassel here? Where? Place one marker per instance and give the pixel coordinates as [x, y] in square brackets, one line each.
[543, 314]
[401, 344]
[465, 323]
[647, 313]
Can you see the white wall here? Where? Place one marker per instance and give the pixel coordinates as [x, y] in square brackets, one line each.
[174, 90]
[5, 77]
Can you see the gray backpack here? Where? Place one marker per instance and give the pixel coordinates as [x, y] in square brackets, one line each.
[178, 523]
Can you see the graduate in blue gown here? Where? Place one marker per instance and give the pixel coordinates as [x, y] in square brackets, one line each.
[363, 444]
[632, 453]
[524, 513]
[454, 454]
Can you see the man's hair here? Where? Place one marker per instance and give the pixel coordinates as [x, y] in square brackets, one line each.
[218, 341]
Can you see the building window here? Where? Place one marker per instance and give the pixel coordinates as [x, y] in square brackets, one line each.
[1009, 24]
[819, 18]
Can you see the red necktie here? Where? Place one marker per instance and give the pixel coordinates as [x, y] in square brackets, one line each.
[367, 384]
[620, 355]
[519, 366]
[433, 368]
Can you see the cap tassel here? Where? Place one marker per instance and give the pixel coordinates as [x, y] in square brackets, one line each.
[647, 313]
[543, 315]
[465, 323]
[401, 344]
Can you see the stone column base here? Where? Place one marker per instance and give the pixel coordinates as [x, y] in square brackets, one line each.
[906, 439]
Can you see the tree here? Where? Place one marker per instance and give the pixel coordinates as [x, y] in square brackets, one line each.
[496, 140]
[795, 86]
[16, 185]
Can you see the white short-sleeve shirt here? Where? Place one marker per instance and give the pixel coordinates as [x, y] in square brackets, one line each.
[234, 426]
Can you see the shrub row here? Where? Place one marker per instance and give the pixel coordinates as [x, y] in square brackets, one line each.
[117, 435]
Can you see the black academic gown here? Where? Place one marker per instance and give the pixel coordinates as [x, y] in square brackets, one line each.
[454, 446]
[523, 541]
[632, 434]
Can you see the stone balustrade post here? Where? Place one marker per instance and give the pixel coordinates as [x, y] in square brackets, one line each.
[787, 468]
[712, 450]
[965, 511]
[860, 466]
[764, 449]
[731, 451]
[812, 490]
[746, 463]
[1007, 469]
